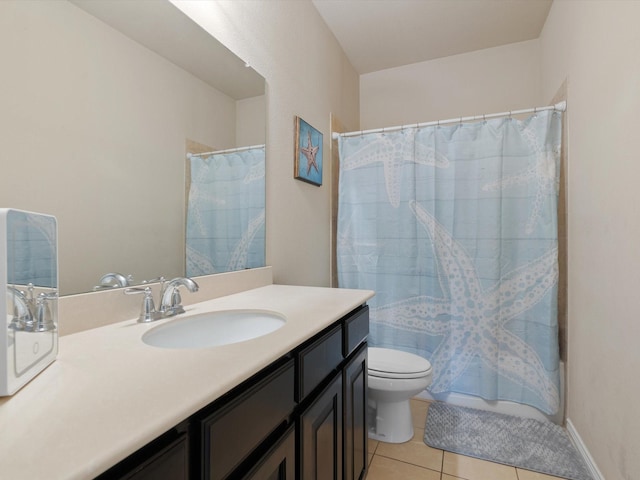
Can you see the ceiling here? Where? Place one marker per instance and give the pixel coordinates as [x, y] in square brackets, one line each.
[165, 29]
[381, 34]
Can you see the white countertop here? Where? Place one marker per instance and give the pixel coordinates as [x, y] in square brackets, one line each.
[108, 393]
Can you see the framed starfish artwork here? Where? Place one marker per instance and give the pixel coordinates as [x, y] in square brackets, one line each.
[308, 153]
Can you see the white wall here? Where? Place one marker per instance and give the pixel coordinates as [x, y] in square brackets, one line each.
[308, 75]
[486, 81]
[594, 45]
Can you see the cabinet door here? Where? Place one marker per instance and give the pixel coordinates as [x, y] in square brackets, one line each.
[321, 435]
[355, 416]
[279, 463]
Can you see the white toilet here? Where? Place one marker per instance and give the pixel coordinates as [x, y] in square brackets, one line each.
[394, 377]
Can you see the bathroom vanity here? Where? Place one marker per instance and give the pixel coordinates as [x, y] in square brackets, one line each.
[290, 404]
[311, 400]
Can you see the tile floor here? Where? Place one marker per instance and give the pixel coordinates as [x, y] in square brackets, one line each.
[416, 460]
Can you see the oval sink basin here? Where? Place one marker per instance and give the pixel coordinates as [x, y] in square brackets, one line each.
[214, 329]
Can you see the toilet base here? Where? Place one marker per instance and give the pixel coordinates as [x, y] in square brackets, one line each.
[390, 422]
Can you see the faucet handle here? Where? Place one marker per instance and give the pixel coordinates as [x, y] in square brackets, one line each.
[176, 299]
[30, 288]
[44, 317]
[148, 311]
[170, 299]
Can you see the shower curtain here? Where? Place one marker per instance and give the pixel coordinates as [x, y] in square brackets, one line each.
[226, 212]
[455, 228]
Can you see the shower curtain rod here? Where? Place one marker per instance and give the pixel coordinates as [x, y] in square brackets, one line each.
[228, 150]
[560, 107]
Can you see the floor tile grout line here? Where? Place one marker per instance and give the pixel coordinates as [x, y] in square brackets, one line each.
[441, 471]
[375, 448]
[407, 463]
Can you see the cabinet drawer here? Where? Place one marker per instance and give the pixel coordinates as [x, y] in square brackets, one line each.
[165, 457]
[356, 330]
[171, 463]
[317, 360]
[232, 433]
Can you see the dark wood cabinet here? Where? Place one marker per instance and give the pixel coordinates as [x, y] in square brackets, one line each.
[302, 417]
[279, 463]
[235, 430]
[170, 463]
[317, 359]
[355, 330]
[355, 415]
[166, 458]
[320, 435]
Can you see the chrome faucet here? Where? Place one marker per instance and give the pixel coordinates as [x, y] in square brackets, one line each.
[170, 300]
[113, 280]
[21, 308]
[29, 314]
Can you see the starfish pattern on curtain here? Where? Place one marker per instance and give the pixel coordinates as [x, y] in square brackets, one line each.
[226, 212]
[455, 228]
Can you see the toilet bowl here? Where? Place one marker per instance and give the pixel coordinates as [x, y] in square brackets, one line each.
[394, 377]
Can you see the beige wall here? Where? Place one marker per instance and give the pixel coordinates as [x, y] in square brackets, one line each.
[486, 81]
[50, 113]
[250, 121]
[308, 75]
[594, 45]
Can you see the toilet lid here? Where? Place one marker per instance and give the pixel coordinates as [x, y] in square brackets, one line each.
[388, 363]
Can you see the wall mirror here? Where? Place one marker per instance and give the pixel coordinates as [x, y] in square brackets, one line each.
[102, 102]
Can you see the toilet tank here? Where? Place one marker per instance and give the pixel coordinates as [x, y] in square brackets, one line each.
[29, 280]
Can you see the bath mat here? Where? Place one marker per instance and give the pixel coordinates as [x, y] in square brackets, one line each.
[536, 445]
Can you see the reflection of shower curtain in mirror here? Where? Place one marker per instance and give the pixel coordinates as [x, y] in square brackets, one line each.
[31, 249]
[226, 212]
[455, 228]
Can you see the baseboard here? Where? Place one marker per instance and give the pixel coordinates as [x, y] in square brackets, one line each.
[583, 451]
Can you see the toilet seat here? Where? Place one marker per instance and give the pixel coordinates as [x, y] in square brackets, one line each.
[387, 363]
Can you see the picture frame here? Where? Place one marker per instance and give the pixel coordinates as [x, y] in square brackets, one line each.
[308, 153]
